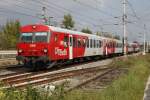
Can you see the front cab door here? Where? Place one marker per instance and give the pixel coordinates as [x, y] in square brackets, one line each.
[70, 47]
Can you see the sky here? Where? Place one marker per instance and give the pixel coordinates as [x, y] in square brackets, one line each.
[98, 15]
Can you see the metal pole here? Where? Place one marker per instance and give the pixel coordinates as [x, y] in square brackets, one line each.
[49, 20]
[102, 30]
[124, 27]
[144, 40]
[44, 15]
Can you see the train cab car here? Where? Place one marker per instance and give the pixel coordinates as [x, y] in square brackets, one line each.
[136, 47]
[42, 44]
[33, 44]
[129, 48]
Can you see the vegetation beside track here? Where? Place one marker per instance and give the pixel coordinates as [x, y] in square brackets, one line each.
[129, 86]
[9, 34]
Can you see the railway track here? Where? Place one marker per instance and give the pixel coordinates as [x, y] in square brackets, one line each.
[12, 65]
[12, 70]
[103, 79]
[23, 79]
[35, 79]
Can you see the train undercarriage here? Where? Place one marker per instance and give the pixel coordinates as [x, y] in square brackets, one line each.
[43, 62]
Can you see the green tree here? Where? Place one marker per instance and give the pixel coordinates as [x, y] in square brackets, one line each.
[99, 33]
[86, 30]
[117, 37]
[9, 35]
[68, 22]
[107, 34]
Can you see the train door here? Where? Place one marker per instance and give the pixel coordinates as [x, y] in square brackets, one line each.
[70, 47]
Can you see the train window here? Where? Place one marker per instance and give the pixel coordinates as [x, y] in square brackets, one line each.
[79, 43]
[26, 37]
[70, 41]
[94, 43]
[91, 43]
[87, 43]
[66, 41]
[100, 43]
[74, 42]
[110, 44]
[114, 44]
[41, 37]
[97, 44]
[84, 42]
[118, 45]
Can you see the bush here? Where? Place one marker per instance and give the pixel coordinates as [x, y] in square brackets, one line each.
[9, 35]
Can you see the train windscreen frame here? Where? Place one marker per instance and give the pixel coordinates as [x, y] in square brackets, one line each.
[34, 37]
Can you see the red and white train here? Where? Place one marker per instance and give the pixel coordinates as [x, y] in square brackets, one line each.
[49, 44]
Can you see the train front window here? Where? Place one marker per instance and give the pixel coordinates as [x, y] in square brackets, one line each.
[41, 37]
[26, 37]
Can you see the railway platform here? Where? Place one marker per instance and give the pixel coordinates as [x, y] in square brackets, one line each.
[147, 90]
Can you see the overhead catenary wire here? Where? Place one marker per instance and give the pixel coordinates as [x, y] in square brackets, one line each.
[21, 6]
[60, 10]
[133, 10]
[69, 10]
[100, 11]
[46, 7]
[80, 17]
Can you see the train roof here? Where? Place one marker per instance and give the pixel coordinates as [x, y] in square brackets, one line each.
[58, 29]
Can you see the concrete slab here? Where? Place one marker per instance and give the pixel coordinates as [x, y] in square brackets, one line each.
[147, 91]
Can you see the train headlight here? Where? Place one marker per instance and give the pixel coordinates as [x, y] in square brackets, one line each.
[20, 51]
[33, 26]
[45, 50]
